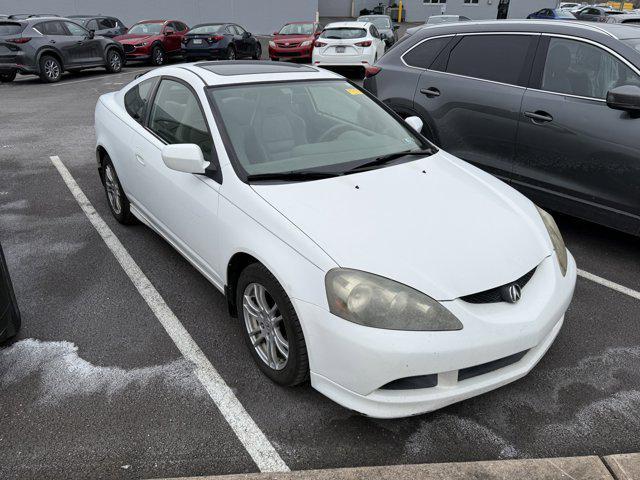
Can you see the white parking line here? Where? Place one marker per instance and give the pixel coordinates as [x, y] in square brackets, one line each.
[608, 283]
[254, 440]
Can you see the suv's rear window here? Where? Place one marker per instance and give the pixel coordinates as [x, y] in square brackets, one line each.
[10, 28]
[343, 33]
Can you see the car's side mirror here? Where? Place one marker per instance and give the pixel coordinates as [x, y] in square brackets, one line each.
[396, 27]
[184, 157]
[169, 32]
[415, 123]
[276, 33]
[626, 98]
[92, 34]
[246, 34]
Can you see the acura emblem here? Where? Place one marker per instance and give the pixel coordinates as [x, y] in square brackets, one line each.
[511, 293]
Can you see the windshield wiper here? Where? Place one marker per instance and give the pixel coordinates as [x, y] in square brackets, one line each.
[392, 156]
[300, 176]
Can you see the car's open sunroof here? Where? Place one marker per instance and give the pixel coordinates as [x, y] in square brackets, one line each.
[252, 68]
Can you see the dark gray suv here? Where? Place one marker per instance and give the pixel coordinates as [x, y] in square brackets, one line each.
[553, 108]
[49, 46]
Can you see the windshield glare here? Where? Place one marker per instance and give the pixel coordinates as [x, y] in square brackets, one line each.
[344, 33]
[146, 29]
[379, 22]
[297, 29]
[324, 126]
[206, 29]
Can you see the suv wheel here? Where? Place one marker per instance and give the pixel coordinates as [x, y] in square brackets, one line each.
[114, 61]
[118, 201]
[50, 69]
[157, 55]
[8, 76]
[258, 52]
[271, 327]
[231, 53]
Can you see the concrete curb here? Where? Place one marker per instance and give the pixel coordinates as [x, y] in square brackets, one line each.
[624, 466]
[575, 468]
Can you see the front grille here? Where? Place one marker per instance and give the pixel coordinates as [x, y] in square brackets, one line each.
[488, 367]
[494, 295]
[128, 48]
[291, 45]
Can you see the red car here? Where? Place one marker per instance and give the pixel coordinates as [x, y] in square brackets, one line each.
[153, 41]
[294, 41]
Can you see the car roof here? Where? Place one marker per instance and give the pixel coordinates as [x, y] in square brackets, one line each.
[352, 24]
[374, 15]
[237, 72]
[614, 30]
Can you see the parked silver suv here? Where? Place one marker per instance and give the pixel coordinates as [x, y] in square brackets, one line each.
[552, 108]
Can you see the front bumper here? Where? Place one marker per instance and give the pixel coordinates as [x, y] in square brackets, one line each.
[291, 53]
[350, 363]
[202, 53]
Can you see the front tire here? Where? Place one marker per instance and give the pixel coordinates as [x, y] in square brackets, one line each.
[258, 52]
[8, 77]
[117, 199]
[157, 56]
[114, 61]
[50, 69]
[231, 53]
[271, 327]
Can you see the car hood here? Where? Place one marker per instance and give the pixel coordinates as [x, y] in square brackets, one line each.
[292, 38]
[436, 224]
[133, 38]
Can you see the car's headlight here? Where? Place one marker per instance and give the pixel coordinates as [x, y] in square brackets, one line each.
[306, 43]
[272, 44]
[556, 239]
[143, 44]
[378, 302]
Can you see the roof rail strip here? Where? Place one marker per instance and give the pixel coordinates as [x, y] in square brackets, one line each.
[572, 23]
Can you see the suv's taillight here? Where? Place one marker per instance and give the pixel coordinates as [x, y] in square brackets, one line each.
[18, 40]
[371, 71]
[366, 43]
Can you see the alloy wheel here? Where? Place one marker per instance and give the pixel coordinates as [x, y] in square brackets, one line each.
[51, 69]
[113, 190]
[263, 321]
[159, 57]
[232, 54]
[115, 62]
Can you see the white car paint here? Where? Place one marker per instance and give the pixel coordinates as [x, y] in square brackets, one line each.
[436, 224]
[353, 55]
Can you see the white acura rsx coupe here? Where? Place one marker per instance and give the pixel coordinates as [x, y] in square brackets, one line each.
[396, 277]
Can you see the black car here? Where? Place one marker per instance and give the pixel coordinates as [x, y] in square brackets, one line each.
[550, 107]
[49, 46]
[9, 313]
[595, 14]
[220, 41]
[102, 25]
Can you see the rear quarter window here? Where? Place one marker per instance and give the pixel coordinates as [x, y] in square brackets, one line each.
[11, 28]
[137, 98]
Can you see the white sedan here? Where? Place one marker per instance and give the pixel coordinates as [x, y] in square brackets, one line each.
[396, 277]
[348, 44]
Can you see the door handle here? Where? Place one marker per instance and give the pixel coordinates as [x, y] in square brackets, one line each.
[539, 117]
[52, 41]
[140, 159]
[431, 92]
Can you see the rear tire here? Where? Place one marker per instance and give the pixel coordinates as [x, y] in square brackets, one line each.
[271, 338]
[50, 69]
[114, 61]
[116, 198]
[157, 56]
[8, 77]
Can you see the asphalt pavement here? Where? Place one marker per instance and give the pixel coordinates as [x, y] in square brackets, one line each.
[93, 386]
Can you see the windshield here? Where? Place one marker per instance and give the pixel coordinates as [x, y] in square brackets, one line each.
[297, 29]
[207, 29]
[633, 43]
[381, 23]
[322, 126]
[343, 33]
[146, 29]
[7, 28]
[442, 19]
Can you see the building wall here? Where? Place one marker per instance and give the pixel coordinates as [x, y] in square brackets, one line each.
[418, 11]
[257, 16]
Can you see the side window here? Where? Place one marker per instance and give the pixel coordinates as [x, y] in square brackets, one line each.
[170, 26]
[53, 28]
[176, 117]
[75, 30]
[374, 32]
[423, 55]
[92, 25]
[181, 26]
[231, 29]
[500, 58]
[106, 23]
[582, 69]
[136, 99]
[239, 29]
